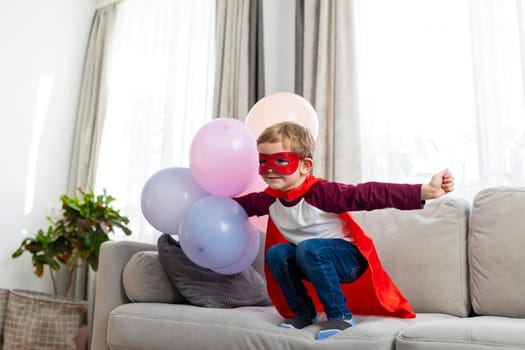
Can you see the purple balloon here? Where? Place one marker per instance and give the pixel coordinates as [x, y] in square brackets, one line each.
[214, 232]
[247, 258]
[223, 157]
[166, 197]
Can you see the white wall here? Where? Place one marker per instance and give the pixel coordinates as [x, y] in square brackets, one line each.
[42, 46]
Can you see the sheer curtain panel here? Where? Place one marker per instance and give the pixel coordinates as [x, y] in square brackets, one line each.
[325, 76]
[160, 93]
[441, 85]
[91, 109]
[239, 61]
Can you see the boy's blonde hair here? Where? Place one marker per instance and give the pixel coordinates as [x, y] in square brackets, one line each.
[292, 135]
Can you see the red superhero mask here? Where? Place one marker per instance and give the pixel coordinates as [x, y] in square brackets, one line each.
[283, 163]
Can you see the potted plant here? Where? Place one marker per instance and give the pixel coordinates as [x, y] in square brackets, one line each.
[74, 239]
[71, 241]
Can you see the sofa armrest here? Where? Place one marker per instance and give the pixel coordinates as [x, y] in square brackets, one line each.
[109, 289]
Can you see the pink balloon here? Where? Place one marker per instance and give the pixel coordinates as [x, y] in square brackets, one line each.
[166, 197]
[248, 256]
[224, 157]
[258, 185]
[280, 107]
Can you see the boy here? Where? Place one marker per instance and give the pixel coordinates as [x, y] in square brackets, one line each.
[313, 246]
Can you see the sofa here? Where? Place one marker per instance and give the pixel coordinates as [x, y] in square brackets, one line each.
[461, 266]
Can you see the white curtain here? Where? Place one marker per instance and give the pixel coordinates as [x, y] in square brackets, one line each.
[440, 84]
[92, 103]
[232, 65]
[239, 59]
[325, 76]
[160, 93]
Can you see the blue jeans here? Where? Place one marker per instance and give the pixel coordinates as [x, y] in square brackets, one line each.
[326, 263]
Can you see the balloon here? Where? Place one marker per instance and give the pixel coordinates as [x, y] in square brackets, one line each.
[280, 107]
[214, 232]
[247, 258]
[223, 156]
[258, 185]
[166, 197]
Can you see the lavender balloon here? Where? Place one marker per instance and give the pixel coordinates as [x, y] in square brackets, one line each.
[214, 232]
[166, 197]
[248, 256]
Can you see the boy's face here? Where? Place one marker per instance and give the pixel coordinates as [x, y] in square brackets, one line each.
[282, 172]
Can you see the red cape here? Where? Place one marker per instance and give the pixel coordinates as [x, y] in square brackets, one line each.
[374, 293]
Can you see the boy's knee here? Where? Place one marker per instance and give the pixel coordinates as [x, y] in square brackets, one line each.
[270, 253]
[306, 250]
[278, 252]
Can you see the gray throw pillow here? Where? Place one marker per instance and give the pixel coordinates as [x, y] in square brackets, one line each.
[203, 287]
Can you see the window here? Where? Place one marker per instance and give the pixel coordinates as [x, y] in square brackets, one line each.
[160, 94]
[441, 85]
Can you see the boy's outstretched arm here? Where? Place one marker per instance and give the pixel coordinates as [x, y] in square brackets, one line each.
[440, 184]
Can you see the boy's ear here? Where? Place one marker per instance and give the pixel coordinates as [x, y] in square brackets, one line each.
[307, 165]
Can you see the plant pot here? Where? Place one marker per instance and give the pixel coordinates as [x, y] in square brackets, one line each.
[3, 308]
[42, 321]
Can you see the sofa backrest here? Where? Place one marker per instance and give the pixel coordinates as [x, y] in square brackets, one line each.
[425, 253]
[496, 252]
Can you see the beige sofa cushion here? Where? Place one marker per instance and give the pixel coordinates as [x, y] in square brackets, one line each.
[496, 252]
[473, 333]
[183, 326]
[145, 280]
[424, 252]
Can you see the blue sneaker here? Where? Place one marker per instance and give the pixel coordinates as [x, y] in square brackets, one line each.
[333, 327]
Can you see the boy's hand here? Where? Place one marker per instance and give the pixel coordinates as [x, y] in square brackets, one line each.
[440, 184]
